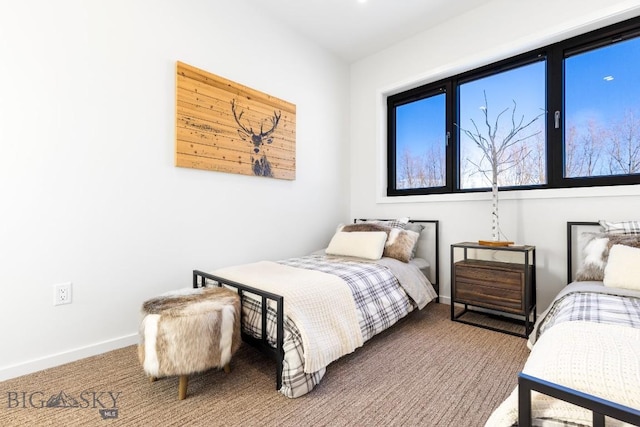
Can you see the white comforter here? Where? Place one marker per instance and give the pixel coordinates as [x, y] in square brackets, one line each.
[599, 359]
[320, 304]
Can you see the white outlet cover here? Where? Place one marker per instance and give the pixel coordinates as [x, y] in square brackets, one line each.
[62, 293]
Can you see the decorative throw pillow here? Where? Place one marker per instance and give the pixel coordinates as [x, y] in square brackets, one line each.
[623, 268]
[620, 227]
[361, 244]
[416, 227]
[393, 223]
[400, 244]
[596, 253]
[364, 226]
[594, 258]
[632, 240]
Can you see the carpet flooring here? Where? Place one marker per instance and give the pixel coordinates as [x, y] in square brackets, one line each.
[424, 371]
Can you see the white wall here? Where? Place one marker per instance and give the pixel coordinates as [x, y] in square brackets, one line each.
[87, 182]
[494, 31]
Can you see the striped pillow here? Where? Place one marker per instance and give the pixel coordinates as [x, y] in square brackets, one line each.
[392, 223]
[620, 227]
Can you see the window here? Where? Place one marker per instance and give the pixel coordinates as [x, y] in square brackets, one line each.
[602, 108]
[420, 143]
[566, 115]
[419, 131]
[502, 128]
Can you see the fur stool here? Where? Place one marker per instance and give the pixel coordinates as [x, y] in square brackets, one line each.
[189, 331]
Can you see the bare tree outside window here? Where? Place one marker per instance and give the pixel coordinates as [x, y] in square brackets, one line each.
[421, 170]
[529, 163]
[597, 150]
[583, 150]
[623, 148]
[435, 167]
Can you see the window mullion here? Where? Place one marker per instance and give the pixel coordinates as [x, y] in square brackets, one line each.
[555, 90]
[452, 140]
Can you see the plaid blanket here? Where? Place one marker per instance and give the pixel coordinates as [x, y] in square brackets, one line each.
[592, 307]
[380, 303]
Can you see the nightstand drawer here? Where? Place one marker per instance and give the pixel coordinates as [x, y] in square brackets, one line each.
[490, 284]
[492, 274]
[509, 300]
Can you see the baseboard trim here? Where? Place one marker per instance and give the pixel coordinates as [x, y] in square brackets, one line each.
[35, 365]
[31, 366]
[445, 300]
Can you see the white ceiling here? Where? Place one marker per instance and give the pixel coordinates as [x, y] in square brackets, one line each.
[353, 29]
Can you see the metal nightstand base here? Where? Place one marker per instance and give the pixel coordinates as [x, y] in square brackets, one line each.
[527, 327]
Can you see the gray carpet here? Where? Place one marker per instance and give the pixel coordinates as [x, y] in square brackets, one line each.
[425, 371]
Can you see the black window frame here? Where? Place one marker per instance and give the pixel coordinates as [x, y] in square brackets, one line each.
[407, 97]
[554, 55]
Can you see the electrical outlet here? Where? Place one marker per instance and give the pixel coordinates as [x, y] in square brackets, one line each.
[62, 293]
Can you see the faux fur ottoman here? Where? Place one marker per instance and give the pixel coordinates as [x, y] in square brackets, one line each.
[189, 331]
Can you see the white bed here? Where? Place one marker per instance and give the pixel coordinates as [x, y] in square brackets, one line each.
[585, 348]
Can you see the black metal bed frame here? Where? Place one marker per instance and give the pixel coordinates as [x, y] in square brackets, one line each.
[262, 343]
[277, 353]
[570, 227]
[436, 243]
[436, 268]
[599, 407]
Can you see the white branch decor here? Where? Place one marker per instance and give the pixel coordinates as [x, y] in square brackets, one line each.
[494, 147]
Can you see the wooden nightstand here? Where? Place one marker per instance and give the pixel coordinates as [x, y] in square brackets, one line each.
[498, 280]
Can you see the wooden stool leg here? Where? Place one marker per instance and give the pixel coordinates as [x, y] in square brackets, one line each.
[182, 387]
[227, 368]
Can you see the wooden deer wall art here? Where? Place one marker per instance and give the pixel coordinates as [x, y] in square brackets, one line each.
[226, 127]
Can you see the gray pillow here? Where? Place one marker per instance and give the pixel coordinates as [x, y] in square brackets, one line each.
[417, 227]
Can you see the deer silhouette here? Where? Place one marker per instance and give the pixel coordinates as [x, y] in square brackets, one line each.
[259, 162]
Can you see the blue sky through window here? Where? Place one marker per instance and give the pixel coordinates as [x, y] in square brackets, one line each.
[602, 84]
[602, 92]
[524, 85]
[421, 124]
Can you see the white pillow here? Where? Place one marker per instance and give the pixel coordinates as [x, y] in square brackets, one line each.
[361, 244]
[623, 268]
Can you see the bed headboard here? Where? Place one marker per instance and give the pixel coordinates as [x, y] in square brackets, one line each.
[428, 247]
[575, 245]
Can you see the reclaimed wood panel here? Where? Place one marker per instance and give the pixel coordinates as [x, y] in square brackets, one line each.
[226, 127]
